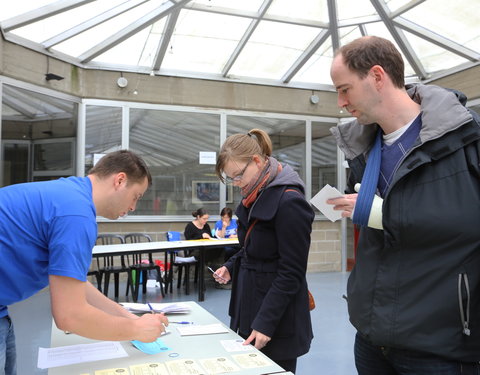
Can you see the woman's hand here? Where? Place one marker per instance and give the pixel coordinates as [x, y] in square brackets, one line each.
[206, 235]
[222, 275]
[261, 340]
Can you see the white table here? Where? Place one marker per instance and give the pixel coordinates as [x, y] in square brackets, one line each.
[186, 347]
[164, 246]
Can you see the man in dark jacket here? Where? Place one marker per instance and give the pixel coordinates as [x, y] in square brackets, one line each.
[414, 293]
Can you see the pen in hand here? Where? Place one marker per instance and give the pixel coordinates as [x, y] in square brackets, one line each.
[180, 322]
[165, 332]
[220, 277]
[151, 308]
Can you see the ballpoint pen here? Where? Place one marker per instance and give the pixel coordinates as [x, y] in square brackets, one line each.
[220, 277]
[151, 308]
[180, 322]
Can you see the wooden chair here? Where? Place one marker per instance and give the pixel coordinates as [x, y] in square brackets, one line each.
[141, 264]
[109, 267]
[177, 236]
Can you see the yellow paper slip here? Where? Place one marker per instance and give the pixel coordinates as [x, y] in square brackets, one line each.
[149, 369]
[251, 360]
[113, 371]
[218, 365]
[184, 366]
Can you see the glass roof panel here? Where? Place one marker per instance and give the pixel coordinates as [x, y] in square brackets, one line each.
[317, 69]
[455, 21]
[349, 10]
[246, 5]
[203, 42]
[302, 9]
[433, 58]
[272, 49]
[10, 9]
[208, 32]
[135, 45]
[393, 5]
[89, 38]
[49, 27]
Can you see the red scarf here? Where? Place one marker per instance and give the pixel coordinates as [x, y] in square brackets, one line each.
[264, 177]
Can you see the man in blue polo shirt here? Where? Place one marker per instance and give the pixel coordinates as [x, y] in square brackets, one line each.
[47, 232]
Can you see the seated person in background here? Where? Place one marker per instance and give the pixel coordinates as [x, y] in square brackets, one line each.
[198, 228]
[227, 228]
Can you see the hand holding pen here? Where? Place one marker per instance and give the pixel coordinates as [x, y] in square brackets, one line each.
[149, 327]
[152, 310]
[221, 275]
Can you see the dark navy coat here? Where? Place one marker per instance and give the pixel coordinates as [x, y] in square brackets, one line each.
[270, 292]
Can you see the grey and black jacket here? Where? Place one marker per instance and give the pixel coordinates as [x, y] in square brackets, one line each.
[416, 283]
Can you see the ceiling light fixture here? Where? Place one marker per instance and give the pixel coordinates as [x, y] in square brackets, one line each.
[314, 99]
[122, 82]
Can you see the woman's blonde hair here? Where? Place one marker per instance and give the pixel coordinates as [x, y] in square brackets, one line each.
[242, 147]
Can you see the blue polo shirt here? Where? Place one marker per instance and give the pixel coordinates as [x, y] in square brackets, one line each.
[46, 228]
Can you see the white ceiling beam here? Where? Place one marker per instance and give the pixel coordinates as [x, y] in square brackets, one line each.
[165, 40]
[333, 26]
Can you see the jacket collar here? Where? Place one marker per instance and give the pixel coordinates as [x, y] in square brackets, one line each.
[443, 111]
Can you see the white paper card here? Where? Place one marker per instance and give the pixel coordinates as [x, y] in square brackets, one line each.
[67, 355]
[320, 201]
[207, 157]
[236, 345]
[201, 329]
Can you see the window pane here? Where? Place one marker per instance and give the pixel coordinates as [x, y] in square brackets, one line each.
[53, 156]
[170, 143]
[103, 132]
[324, 157]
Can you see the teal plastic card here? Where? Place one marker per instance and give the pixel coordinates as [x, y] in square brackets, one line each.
[151, 347]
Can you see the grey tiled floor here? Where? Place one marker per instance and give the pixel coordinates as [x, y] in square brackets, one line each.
[331, 352]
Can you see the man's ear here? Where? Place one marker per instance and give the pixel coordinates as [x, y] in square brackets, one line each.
[119, 179]
[378, 74]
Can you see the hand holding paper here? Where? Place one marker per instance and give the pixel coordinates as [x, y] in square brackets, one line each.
[320, 201]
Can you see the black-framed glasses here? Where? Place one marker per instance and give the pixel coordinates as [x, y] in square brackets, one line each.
[238, 177]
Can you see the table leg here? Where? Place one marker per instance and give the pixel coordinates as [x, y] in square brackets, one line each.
[201, 276]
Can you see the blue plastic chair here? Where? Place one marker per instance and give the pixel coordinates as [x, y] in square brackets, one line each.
[177, 236]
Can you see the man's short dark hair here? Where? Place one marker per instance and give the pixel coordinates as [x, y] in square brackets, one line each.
[363, 53]
[122, 161]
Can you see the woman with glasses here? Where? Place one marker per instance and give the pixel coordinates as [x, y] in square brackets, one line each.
[269, 302]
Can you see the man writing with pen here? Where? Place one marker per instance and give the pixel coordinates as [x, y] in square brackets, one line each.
[47, 232]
